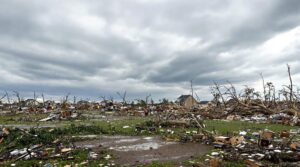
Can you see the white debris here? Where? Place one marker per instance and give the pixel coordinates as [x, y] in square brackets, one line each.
[243, 133]
[215, 154]
[107, 157]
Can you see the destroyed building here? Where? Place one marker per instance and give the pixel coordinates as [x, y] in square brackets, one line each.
[31, 102]
[83, 105]
[186, 101]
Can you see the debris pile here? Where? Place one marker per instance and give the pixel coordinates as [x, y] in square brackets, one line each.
[45, 146]
[257, 148]
[61, 115]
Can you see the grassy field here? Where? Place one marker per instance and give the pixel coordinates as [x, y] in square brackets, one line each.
[21, 118]
[125, 126]
[225, 127]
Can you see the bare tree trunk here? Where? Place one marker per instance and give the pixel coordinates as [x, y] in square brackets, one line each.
[8, 100]
[197, 97]
[264, 88]
[291, 84]
[219, 91]
[123, 97]
[274, 97]
[65, 102]
[147, 98]
[291, 91]
[19, 99]
[34, 102]
[3, 97]
[43, 97]
[67, 97]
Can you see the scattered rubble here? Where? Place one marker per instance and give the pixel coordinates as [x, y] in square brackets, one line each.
[255, 151]
[61, 115]
[24, 147]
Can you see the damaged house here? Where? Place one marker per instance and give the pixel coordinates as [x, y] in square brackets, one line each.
[186, 101]
[31, 102]
[50, 105]
[83, 105]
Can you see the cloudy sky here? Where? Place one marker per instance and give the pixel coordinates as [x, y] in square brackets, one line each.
[98, 47]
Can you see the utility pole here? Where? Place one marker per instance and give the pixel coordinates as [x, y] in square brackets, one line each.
[291, 83]
[192, 90]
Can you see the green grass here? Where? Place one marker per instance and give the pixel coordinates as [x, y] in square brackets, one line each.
[117, 126]
[121, 127]
[224, 127]
[21, 118]
[17, 138]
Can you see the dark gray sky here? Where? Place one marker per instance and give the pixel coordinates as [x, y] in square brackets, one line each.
[97, 47]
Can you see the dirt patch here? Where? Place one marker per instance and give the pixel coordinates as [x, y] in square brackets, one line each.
[136, 150]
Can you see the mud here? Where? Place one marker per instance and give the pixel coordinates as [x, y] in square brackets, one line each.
[132, 150]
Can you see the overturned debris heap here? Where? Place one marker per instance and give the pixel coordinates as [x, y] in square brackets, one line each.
[258, 148]
[251, 146]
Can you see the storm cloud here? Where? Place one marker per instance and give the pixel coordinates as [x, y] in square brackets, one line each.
[96, 48]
